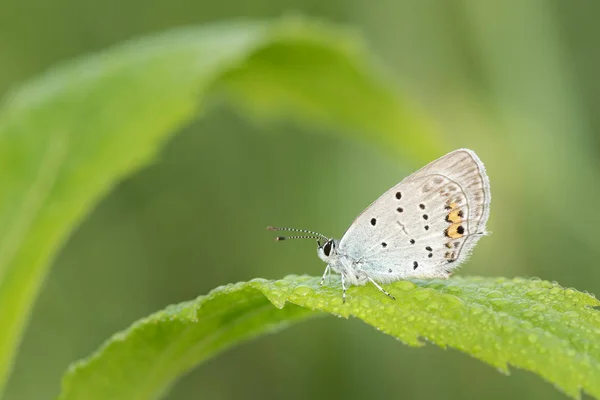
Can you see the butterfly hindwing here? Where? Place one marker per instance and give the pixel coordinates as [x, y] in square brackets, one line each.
[426, 225]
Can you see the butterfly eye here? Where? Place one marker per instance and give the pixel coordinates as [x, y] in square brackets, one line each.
[327, 248]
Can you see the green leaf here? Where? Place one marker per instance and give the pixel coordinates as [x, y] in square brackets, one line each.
[68, 136]
[531, 324]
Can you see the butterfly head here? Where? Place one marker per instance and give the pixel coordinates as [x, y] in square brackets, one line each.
[327, 250]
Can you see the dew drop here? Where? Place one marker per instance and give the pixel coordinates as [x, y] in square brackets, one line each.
[303, 290]
[453, 301]
[282, 284]
[529, 313]
[494, 294]
[337, 301]
[422, 295]
[526, 325]
[538, 308]
[476, 311]
[532, 338]
[509, 329]
[404, 285]
[454, 289]
[571, 314]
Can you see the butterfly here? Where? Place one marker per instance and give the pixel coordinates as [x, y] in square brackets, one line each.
[424, 227]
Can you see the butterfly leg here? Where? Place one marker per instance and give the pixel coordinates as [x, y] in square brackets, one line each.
[343, 289]
[327, 270]
[380, 288]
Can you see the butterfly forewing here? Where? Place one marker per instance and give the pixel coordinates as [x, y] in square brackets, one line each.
[424, 226]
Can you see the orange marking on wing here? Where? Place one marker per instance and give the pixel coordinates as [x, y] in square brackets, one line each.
[455, 231]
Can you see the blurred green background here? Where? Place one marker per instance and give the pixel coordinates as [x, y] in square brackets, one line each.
[517, 81]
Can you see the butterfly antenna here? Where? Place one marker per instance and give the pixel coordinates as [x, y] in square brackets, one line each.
[311, 234]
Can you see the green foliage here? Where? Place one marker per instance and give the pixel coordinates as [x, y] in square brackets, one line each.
[531, 324]
[143, 362]
[68, 136]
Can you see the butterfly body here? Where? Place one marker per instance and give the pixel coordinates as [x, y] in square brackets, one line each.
[350, 268]
[423, 227]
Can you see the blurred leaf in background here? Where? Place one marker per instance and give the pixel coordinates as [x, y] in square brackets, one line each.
[516, 81]
[69, 135]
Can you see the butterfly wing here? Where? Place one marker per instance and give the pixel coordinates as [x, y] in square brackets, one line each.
[426, 225]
